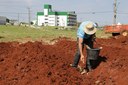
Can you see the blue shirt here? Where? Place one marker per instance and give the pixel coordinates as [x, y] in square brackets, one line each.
[80, 31]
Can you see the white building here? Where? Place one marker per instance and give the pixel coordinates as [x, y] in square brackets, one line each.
[3, 20]
[55, 18]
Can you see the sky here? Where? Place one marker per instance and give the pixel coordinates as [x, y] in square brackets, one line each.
[99, 11]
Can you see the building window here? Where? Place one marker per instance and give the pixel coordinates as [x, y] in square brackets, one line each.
[46, 18]
[46, 22]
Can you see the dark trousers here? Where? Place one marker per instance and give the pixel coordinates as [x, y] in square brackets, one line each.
[88, 42]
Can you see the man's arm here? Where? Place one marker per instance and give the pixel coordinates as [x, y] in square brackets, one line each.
[80, 43]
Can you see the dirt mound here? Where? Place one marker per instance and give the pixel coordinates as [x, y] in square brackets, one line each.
[34, 63]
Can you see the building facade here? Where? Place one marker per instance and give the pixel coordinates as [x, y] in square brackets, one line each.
[55, 18]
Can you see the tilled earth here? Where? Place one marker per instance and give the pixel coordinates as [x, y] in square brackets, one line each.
[37, 63]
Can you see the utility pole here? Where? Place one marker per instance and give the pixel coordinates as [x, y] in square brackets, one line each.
[18, 18]
[29, 16]
[115, 12]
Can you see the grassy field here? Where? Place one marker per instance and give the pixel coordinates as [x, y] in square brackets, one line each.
[22, 34]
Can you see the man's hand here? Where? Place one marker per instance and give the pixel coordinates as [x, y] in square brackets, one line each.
[82, 58]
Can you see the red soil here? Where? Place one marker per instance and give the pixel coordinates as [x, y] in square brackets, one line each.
[35, 63]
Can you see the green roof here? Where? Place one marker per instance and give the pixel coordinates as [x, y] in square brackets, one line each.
[53, 13]
[57, 13]
[40, 13]
[47, 6]
[62, 13]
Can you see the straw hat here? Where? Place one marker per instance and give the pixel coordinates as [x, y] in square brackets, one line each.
[90, 28]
